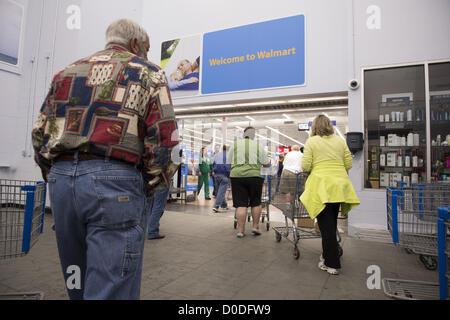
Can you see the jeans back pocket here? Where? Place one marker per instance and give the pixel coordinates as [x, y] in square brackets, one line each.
[122, 200]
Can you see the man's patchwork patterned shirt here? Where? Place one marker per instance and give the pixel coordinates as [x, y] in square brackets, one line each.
[112, 104]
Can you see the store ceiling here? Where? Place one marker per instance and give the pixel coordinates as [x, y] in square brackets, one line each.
[202, 130]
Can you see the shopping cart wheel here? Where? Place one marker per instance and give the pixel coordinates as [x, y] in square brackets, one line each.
[268, 227]
[249, 219]
[409, 251]
[235, 225]
[429, 262]
[296, 253]
[262, 219]
[278, 236]
[341, 251]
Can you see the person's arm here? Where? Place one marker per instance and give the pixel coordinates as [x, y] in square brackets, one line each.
[348, 159]
[161, 138]
[174, 85]
[307, 160]
[38, 135]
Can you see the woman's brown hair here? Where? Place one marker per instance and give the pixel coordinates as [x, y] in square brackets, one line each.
[322, 126]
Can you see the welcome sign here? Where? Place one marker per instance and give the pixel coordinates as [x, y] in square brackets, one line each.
[258, 56]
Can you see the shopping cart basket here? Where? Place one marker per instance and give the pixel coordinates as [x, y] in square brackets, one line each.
[287, 199]
[265, 203]
[417, 290]
[412, 219]
[22, 210]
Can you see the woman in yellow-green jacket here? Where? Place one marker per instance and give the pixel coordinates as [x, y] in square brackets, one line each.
[328, 159]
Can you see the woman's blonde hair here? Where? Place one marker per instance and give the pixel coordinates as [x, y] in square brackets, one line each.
[322, 126]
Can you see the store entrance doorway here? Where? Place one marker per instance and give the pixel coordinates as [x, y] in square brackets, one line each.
[277, 130]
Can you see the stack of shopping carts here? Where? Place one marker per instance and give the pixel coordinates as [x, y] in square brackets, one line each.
[22, 210]
[413, 224]
[287, 199]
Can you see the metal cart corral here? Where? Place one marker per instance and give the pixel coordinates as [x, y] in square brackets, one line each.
[444, 252]
[287, 199]
[412, 219]
[265, 204]
[22, 210]
[417, 290]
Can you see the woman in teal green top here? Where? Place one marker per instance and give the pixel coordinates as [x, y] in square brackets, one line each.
[204, 170]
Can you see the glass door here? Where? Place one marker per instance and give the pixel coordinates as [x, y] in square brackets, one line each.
[439, 75]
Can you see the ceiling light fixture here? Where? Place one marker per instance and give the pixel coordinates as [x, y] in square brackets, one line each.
[318, 99]
[267, 103]
[232, 114]
[286, 136]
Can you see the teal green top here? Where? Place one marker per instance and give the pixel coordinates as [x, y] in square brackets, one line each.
[247, 158]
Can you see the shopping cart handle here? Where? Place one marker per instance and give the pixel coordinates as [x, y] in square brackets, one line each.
[29, 188]
[444, 213]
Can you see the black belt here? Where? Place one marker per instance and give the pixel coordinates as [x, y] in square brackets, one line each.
[82, 156]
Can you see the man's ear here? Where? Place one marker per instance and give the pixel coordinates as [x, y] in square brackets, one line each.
[134, 47]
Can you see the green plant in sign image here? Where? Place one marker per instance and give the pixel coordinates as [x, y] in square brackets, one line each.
[167, 50]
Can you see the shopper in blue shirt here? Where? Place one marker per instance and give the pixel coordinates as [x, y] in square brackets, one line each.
[221, 172]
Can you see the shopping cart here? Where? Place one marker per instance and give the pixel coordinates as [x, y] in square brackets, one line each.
[417, 290]
[287, 199]
[22, 210]
[265, 203]
[412, 219]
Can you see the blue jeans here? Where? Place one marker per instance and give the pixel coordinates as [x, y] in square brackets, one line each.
[155, 211]
[100, 221]
[222, 183]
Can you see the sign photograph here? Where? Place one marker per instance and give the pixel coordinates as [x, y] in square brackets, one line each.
[180, 59]
[11, 24]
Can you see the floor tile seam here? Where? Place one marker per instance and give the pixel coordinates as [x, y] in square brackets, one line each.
[323, 287]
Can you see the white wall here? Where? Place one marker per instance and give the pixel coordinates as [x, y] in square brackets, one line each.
[17, 103]
[411, 31]
[326, 36]
[52, 46]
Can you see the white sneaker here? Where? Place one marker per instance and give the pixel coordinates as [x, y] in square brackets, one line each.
[240, 235]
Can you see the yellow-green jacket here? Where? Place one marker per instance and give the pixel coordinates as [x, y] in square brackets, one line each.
[328, 160]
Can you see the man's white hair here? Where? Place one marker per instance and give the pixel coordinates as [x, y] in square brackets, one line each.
[296, 148]
[121, 31]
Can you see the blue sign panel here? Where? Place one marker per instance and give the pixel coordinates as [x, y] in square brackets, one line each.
[258, 56]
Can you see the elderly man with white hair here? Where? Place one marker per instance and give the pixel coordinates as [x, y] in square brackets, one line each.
[292, 166]
[104, 141]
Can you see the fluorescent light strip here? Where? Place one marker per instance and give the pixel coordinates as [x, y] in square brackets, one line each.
[250, 118]
[339, 132]
[195, 138]
[212, 107]
[231, 114]
[281, 134]
[196, 132]
[265, 138]
[318, 99]
[286, 116]
[267, 103]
